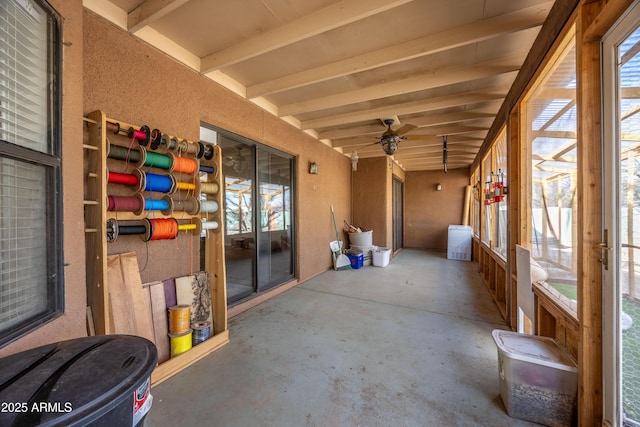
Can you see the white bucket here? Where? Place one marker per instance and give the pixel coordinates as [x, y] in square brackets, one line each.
[364, 238]
[381, 257]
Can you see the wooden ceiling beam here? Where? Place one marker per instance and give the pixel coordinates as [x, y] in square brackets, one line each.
[433, 43]
[427, 140]
[431, 104]
[443, 77]
[150, 11]
[328, 18]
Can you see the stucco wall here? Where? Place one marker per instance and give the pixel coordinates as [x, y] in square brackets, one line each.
[141, 85]
[372, 198]
[428, 212]
[72, 323]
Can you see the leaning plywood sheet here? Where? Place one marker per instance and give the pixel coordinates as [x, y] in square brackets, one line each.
[130, 309]
[159, 313]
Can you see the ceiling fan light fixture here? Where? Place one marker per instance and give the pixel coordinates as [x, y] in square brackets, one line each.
[390, 144]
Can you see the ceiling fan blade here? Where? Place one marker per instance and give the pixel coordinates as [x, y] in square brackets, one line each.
[405, 128]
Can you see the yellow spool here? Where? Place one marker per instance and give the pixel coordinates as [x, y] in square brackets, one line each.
[181, 343]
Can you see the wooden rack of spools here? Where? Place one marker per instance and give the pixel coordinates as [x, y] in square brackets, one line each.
[176, 180]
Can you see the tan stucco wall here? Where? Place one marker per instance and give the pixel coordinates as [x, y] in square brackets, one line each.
[141, 85]
[72, 323]
[372, 198]
[428, 212]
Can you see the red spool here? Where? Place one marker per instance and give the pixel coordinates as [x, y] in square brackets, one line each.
[122, 178]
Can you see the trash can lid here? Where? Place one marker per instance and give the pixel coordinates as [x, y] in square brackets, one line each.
[534, 349]
[73, 381]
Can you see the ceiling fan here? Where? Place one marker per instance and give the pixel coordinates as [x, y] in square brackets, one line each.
[391, 138]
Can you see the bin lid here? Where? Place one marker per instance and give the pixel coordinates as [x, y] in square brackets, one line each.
[75, 381]
[534, 349]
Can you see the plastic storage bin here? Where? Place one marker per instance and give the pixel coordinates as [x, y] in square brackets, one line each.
[381, 257]
[102, 380]
[459, 242]
[364, 238]
[366, 252]
[538, 379]
[356, 257]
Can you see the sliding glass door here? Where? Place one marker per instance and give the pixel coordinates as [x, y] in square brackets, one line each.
[258, 210]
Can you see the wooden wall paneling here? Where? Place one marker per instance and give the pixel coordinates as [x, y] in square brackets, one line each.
[514, 209]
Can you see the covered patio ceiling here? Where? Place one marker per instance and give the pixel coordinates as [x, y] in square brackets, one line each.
[338, 69]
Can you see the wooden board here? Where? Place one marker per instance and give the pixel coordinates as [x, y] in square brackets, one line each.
[194, 291]
[131, 311]
[160, 325]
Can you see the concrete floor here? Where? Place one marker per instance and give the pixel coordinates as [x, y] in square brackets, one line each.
[405, 345]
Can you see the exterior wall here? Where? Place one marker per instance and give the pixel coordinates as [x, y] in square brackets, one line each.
[428, 212]
[72, 323]
[372, 199]
[141, 85]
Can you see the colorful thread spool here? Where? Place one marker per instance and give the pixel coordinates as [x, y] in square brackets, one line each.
[189, 205]
[187, 227]
[209, 225]
[161, 229]
[156, 139]
[207, 169]
[142, 136]
[119, 152]
[122, 178]
[209, 187]
[154, 160]
[157, 205]
[114, 230]
[170, 142]
[209, 206]
[185, 186]
[179, 319]
[201, 332]
[181, 343]
[183, 165]
[133, 204]
[157, 182]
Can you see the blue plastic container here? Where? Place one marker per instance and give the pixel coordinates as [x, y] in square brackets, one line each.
[357, 259]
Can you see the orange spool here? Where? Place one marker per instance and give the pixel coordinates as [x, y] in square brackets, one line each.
[179, 319]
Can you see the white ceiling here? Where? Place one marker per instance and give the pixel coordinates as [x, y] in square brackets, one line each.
[336, 69]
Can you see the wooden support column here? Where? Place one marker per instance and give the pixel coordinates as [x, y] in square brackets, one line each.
[589, 220]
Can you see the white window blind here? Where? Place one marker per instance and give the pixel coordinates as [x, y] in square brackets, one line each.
[24, 83]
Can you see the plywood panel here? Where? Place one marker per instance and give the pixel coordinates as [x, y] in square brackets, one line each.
[129, 306]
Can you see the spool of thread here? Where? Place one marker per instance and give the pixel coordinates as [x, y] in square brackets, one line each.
[208, 151]
[181, 343]
[156, 205]
[142, 136]
[186, 186]
[183, 165]
[209, 187]
[122, 178]
[189, 205]
[208, 206]
[179, 319]
[207, 169]
[123, 153]
[187, 227]
[156, 182]
[154, 160]
[187, 147]
[161, 229]
[115, 128]
[209, 225]
[170, 142]
[156, 139]
[133, 204]
[114, 230]
[201, 332]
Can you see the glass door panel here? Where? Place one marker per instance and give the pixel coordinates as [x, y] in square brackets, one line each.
[240, 236]
[275, 259]
[622, 223]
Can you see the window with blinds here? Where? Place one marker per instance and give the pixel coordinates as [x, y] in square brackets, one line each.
[30, 178]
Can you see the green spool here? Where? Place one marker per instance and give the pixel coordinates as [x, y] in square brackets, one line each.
[155, 160]
[120, 153]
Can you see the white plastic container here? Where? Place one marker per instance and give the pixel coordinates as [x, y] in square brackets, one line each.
[364, 238]
[459, 242]
[381, 257]
[366, 252]
[538, 379]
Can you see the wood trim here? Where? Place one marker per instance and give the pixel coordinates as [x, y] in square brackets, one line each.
[609, 14]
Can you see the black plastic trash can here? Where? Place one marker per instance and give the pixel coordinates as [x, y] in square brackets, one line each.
[93, 381]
